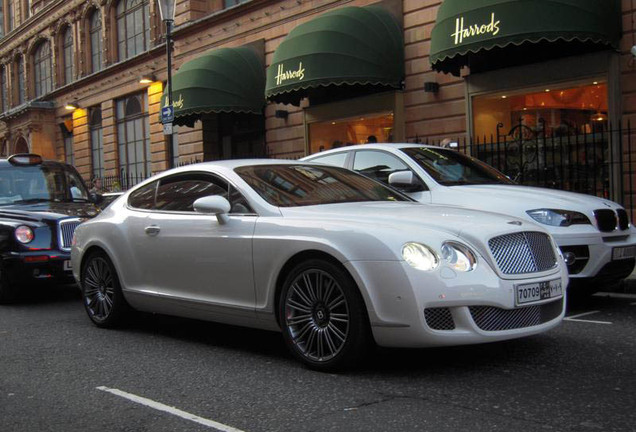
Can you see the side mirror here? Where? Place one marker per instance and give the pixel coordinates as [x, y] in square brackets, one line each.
[213, 204]
[405, 181]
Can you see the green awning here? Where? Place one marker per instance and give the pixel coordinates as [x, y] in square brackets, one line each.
[219, 81]
[494, 33]
[354, 48]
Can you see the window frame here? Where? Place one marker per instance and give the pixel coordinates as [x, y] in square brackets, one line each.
[96, 130]
[126, 44]
[68, 57]
[42, 69]
[95, 40]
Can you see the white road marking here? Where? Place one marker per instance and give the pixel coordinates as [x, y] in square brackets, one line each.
[574, 318]
[170, 410]
[583, 314]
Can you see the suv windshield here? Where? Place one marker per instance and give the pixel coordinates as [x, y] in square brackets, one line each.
[40, 183]
[304, 185]
[451, 168]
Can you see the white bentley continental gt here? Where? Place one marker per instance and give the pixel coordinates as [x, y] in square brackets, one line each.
[333, 259]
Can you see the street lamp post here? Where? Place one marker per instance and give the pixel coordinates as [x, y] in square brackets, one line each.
[167, 9]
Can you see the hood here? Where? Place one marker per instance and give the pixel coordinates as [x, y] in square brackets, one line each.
[516, 200]
[410, 217]
[49, 211]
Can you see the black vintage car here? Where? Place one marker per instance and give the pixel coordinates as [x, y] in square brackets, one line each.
[41, 204]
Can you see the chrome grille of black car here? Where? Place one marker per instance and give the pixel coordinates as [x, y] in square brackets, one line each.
[439, 318]
[523, 252]
[65, 233]
[489, 318]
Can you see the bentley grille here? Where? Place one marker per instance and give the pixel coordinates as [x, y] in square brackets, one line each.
[523, 252]
[489, 318]
[65, 233]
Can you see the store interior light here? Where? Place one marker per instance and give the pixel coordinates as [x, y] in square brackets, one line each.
[147, 79]
[71, 106]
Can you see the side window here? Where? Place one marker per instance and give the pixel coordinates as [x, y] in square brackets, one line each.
[143, 198]
[377, 165]
[178, 193]
[337, 159]
[238, 203]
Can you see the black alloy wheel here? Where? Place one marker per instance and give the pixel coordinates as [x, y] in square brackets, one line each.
[323, 317]
[103, 299]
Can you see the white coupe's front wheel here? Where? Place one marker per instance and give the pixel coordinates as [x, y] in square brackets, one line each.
[323, 317]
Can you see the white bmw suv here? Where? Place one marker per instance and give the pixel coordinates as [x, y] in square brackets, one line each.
[595, 235]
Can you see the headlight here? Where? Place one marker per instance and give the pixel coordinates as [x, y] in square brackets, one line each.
[459, 257]
[24, 234]
[420, 256]
[555, 217]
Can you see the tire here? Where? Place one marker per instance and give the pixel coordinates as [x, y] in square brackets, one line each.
[8, 293]
[101, 292]
[323, 317]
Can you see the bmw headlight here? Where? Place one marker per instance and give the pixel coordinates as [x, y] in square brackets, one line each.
[420, 256]
[458, 257]
[554, 217]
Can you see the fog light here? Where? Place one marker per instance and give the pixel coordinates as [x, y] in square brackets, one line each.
[569, 258]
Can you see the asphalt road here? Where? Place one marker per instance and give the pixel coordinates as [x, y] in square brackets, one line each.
[60, 373]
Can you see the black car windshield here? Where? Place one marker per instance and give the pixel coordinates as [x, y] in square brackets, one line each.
[40, 183]
[451, 168]
[304, 185]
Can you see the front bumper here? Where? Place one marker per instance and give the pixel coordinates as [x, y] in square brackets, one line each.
[38, 267]
[404, 305]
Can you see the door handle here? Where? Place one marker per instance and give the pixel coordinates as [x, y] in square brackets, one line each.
[152, 230]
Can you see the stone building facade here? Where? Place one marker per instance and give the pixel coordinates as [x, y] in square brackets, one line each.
[91, 54]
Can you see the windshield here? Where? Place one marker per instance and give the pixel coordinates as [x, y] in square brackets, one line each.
[451, 168]
[304, 185]
[40, 183]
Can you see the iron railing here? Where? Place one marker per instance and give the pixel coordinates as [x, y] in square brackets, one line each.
[598, 160]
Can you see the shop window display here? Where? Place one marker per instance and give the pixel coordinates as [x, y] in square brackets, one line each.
[336, 133]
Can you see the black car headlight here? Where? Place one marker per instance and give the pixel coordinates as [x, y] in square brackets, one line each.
[24, 234]
[555, 217]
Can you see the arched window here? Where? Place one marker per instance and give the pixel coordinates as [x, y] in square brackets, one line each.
[67, 49]
[21, 146]
[21, 89]
[42, 69]
[133, 28]
[97, 141]
[95, 30]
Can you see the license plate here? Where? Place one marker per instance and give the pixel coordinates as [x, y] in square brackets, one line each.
[626, 252]
[538, 291]
[67, 265]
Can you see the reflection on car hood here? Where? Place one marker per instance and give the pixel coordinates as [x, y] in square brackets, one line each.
[504, 198]
[402, 216]
[49, 210]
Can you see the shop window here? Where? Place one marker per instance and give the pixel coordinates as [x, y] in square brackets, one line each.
[67, 50]
[67, 135]
[133, 27]
[95, 31]
[555, 136]
[325, 135]
[97, 141]
[133, 136]
[42, 69]
[569, 110]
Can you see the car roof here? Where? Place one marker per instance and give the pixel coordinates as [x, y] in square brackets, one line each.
[375, 146]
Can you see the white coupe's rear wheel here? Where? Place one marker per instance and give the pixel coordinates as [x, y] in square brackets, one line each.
[323, 317]
[101, 292]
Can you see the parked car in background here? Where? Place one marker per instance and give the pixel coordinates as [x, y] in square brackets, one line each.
[328, 256]
[594, 234]
[41, 204]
